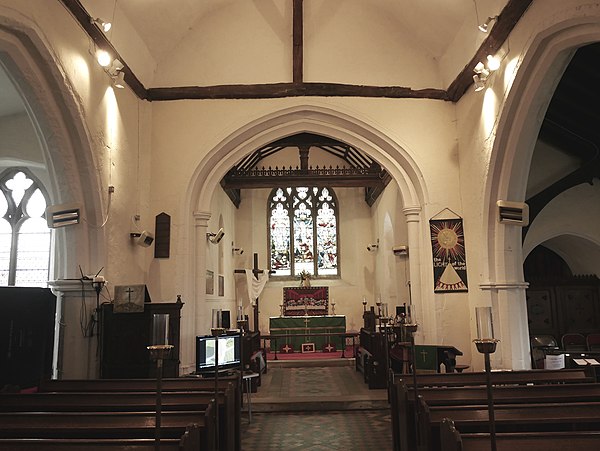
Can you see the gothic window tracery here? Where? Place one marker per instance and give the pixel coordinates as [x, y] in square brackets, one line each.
[303, 231]
[24, 233]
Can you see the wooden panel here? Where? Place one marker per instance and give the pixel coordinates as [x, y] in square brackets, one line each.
[579, 308]
[162, 230]
[541, 312]
[125, 337]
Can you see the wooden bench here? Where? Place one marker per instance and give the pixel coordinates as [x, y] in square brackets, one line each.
[452, 440]
[403, 414]
[551, 417]
[190, 441]
[107, 425]
[129, 402]
[184, 384]
[576, 375]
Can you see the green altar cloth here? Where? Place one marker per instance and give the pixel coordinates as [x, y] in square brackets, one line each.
[295, 325]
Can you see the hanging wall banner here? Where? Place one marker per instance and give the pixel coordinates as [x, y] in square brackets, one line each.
[449, 258]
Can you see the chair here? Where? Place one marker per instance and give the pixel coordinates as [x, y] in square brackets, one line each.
[540, 346]
[574, 342]
[593, 342]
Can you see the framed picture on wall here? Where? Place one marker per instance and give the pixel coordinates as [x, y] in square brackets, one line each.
[221, 285]
[210, 282]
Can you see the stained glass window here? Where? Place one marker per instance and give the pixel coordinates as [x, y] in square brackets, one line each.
[24, 234]
[303, 231]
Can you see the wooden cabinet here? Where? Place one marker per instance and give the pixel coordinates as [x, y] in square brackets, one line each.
[125, 336]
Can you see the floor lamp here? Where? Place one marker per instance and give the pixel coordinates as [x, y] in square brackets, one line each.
[486, 345]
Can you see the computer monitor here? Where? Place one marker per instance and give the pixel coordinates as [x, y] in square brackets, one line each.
[229, 353]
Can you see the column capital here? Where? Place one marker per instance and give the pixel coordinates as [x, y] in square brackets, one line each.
[201, 218]
[412, 213]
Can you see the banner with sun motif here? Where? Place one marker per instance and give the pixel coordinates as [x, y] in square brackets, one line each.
[449, 258]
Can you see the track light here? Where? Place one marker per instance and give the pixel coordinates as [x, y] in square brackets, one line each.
[119, 80]
[215, 238]
[484, 27]
[102, 24]
[116, 72]
[479, 83]
[103, 58]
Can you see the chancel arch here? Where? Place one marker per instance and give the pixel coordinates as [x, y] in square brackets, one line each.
[523, 103]
[324, 122]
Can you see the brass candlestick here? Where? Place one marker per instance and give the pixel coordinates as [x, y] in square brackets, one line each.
[158, 353]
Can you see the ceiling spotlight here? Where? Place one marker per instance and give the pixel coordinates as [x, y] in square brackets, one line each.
[103, 58]
[215, 238]
[481, 70]
[479, 83]
[119, 80]
[493, 62]
[102, 24]
[484, 27]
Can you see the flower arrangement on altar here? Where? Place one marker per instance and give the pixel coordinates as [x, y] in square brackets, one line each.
[305, 278]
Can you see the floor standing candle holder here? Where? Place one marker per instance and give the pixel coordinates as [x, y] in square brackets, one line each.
[159, 353]
[410, 327]
[486, 345]
[217, 332]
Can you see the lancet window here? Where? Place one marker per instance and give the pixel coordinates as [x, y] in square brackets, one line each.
[24, 233]
[303, 231]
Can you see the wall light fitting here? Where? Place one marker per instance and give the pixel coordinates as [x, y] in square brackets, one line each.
[484, 27]
[215, 238]
[101, 23]
[116, 72]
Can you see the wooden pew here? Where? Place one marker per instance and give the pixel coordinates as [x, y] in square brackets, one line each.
[452, 440]
[168, 385]
[190, 441]
[402, 412]
[107, 425]
[576, 375]
[509, 418]
[128, 402]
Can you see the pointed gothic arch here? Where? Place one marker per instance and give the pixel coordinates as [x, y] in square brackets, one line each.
[36, 72]
[304, 119]
[517, 128]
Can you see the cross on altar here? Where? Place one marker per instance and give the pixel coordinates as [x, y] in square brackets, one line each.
[424, 354]
[329, 347]
[286, 348]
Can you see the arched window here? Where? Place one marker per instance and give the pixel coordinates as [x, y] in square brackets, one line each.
[24, 233]
[303, 231]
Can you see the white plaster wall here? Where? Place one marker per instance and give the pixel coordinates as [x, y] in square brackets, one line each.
[19, 141]
[574, 212]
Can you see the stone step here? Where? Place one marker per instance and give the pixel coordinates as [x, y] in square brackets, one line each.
[302, 363]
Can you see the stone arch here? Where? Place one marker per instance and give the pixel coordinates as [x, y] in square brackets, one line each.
[544, 61]
[56, 115]
[312, 119]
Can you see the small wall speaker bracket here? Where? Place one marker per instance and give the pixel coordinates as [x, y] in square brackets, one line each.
[143, 239]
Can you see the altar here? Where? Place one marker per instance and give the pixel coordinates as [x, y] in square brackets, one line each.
[321, 326]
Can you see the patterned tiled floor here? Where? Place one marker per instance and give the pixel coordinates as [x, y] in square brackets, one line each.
[350, 430]
[331, 431]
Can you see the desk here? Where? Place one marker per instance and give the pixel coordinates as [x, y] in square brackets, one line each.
[291, 325]
[247, 377]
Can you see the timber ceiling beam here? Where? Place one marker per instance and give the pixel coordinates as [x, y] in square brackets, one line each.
[507, 19]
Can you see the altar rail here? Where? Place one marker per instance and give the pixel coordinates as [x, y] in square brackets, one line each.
[344, 335]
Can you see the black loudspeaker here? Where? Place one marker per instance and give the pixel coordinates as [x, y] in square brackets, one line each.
[226, 319]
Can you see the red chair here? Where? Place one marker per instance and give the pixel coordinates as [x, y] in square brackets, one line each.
[574, 342]
[593, 342]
